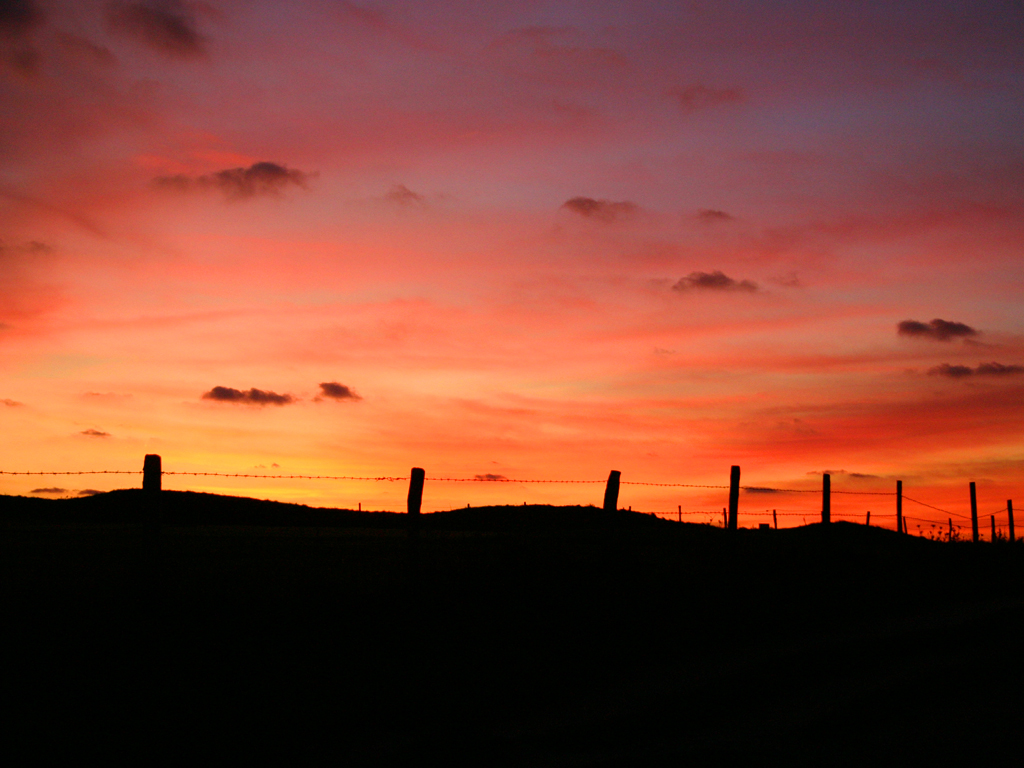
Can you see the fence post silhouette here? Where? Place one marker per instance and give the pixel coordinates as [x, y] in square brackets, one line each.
[679, 510]
[151, 473]
[951, 529]
[734, 497]
[974, 514]
[826, 498]
[868, 521]
[993, 527]
[611, 491]
[1009, 509]
[899, 506]
[415, 490]
[775, 520]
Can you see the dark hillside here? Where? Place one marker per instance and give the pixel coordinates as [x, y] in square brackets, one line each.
[504, 635]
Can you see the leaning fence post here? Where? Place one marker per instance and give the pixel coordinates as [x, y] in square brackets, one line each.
[415, 490]
[734, 497]
[775, 520]
[826, 498]
[1009, 509]
[151, 473]
[993, 527]
[611, 491]
[899, 506]
[974, 514]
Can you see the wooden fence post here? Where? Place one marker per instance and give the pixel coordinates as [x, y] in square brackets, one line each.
[151, 473]
[611, 491]
[775, 520]
[826, 498]
[725, 518]
[868, 521]
[1009, 508]
[951, 529]
[680, 511]
[993, 527]
[734, 497]
[899, 506]
[415, 490]
[974, 514]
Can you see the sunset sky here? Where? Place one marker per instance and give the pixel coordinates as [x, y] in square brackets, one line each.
[537, 240]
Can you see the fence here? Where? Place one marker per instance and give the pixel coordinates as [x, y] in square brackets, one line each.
[153, 473]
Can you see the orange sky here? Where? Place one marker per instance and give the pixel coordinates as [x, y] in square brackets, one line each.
[539, 240]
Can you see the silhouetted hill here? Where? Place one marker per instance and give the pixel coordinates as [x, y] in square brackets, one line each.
[502, 635]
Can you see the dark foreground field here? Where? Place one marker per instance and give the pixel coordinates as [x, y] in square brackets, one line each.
[512, 636]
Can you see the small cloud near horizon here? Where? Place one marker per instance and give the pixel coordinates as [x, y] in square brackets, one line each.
[90, 492]
[336, 391]
[262, 178]
[984, 369]
[166, 26]
[249, 397]
[49, 490]
[600, 210]
[10, 403]
[490, 477]
[94, 433]
[936, 330]
[713, 281]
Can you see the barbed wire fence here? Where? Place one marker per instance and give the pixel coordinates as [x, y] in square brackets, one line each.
[953, 530]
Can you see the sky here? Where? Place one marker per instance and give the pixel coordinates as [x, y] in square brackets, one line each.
[534, 240]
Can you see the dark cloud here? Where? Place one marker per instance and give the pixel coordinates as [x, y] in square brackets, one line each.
[757, 489]
[18, 20]
[49, 490]
[985, 369]
[711, 216]
[713, 281]
[938, 330]
[94, 433]
[951, 371]
[262, 178]
[402, 195]
[336, 391]
[489, 476]
[998, 369]
[251, 397]
[602, 210]
[11, 403]
[167, 26]
[90, 492]
[697, 97]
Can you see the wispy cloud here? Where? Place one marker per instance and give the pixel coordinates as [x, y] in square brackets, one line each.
[713, 281]
[263, 178]
[10, 403]
[696, 97]
[601, 210]
[402, 195]
[490, 477]
[166, 26]
[90, 492]
[937, 329]
[49, 491]
[248, 397]
[713, 216]
[94, 433]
